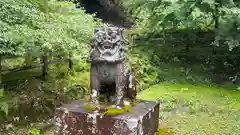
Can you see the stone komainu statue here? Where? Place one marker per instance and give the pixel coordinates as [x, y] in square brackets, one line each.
[109, 74]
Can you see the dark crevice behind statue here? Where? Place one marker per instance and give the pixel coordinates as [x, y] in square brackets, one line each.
[107, 10]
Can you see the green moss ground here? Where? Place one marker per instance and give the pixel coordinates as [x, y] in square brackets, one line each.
[196, 110]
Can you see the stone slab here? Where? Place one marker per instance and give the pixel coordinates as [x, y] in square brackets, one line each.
[73, 119]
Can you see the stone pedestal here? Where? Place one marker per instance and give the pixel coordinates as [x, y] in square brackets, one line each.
[73, 119]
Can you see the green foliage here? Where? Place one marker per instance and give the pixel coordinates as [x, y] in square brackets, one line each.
[1, 92]
[144, 71]
[37, 27]
[32, 28]
[186, 33]
[26, 92]
[33, 132]
[159, 15]
[3, 105]
[229, 27]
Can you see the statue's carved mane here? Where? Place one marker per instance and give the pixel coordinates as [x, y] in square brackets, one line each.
[107, 45]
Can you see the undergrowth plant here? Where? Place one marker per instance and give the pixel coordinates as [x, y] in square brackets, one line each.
[3, 105]
[196, 32]
[36, 28]
[34, 131]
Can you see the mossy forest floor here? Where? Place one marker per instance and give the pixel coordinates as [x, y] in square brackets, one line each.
[196, 110]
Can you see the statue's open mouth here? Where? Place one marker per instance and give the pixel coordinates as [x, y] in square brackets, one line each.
[107, 47]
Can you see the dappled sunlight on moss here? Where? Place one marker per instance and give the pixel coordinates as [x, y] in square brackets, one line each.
[164, 131]
[196, 108]
[107, 108]
[89, 107]
[115, 111]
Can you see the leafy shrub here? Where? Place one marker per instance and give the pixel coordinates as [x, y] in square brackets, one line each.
[32, 28]
[198, 32]
[42, 27]
[3, 105]
[34, 132]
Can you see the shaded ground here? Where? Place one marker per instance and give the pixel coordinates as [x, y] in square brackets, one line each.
[196, 110]
[31, 100]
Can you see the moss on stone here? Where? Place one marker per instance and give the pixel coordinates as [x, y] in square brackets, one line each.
[89, 107]
[115, 111]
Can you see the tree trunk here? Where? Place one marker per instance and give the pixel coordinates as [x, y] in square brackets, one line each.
[0, 70]
[70, 63]
[45, 66]
[216, 14]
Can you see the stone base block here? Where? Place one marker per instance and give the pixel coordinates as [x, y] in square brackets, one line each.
[73, 119]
